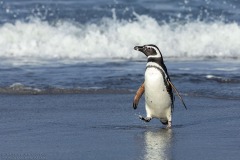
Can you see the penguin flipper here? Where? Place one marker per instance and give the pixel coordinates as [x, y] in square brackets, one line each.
[175, 89]
[138, 95]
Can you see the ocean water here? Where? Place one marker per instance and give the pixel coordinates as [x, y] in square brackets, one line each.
[67, 46]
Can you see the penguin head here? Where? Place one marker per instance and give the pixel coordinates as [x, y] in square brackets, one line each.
[150, 50]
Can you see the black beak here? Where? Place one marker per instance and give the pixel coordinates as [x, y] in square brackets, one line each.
[139, 48]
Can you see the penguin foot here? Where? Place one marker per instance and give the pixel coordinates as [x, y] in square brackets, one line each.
[164, 122]
[146, 119]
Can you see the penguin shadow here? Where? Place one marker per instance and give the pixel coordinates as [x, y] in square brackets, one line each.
[157, 144]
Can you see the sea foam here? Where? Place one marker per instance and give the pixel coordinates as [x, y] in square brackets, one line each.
[113, 38]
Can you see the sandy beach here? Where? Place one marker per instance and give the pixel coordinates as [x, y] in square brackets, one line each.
[104, 126]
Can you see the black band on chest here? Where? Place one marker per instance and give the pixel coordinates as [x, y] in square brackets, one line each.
[155, 60]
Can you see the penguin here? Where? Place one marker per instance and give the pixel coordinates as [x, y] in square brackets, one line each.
[159, 98]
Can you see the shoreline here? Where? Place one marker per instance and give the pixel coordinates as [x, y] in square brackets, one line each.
[58, 91]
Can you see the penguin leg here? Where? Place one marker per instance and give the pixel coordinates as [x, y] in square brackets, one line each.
[164, 121]
[149, 115]
[169, 124]
[169, 118]
[146, 119]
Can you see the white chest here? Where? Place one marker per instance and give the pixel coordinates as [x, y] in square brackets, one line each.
[156, 95]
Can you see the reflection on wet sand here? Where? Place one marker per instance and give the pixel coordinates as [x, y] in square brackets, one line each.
[158, 144]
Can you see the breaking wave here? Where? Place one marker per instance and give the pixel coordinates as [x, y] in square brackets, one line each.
[111, 38]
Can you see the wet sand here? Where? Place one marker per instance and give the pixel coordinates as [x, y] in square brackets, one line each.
[104, 126]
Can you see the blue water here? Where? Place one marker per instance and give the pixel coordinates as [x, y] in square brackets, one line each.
[93, 10]
[56, 48]
[70, 46]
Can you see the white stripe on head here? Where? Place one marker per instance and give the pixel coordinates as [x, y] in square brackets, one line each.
[158, 55]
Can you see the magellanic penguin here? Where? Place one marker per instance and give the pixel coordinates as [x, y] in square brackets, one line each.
[159, 98]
